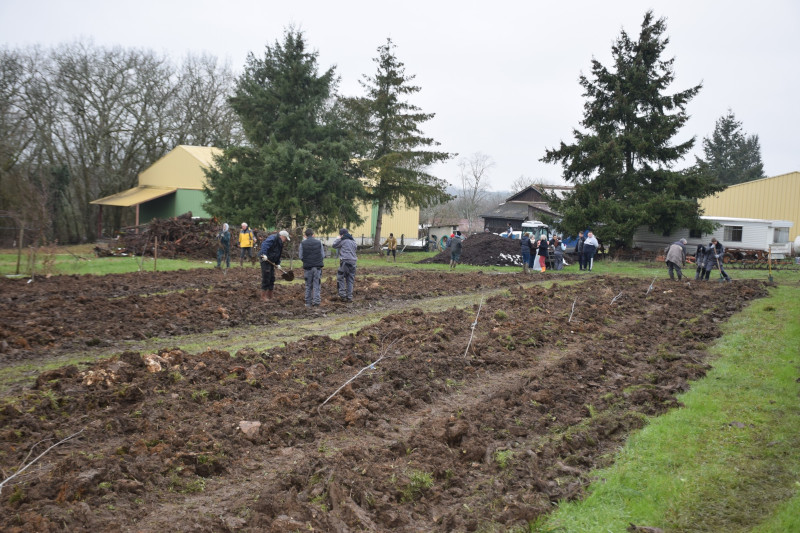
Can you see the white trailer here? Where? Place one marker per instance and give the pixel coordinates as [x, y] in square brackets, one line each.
[743, 238]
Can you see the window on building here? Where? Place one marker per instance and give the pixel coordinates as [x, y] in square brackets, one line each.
[781, 236]
[733, 234]
[695, 234]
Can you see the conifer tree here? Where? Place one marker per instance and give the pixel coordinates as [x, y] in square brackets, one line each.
[622, 164]
[393, 152]
[297, 168]
[731, 156]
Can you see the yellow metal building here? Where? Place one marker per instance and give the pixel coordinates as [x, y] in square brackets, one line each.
[776, 198]
[173, 185]
[403, 222]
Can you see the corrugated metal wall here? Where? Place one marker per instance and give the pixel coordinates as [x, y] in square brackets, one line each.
[404, 221]
[776, 198]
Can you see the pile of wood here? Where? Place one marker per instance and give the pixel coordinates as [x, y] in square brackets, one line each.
[177, 237]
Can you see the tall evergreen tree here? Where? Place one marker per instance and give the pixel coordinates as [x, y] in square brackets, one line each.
[731, 156]
[622, 165]
[393, 152]
[297, 167]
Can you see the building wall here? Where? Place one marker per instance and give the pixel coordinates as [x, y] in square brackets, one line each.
[403, 222]
[776, 198]
[172, 205]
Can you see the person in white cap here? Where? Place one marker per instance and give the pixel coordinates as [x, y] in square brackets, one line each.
[247, 243]
[271, 250]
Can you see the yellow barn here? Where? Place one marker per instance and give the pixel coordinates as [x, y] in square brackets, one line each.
[776, 198]
[173, 185]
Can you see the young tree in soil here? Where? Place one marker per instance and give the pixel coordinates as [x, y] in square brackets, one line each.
[393, 152]
[622, 164]
[731, 155]
[296, 168]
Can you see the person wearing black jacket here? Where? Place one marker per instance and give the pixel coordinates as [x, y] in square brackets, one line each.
[271, 250]
[579, 249]
[312, 254]
[525, 251]
[699, 261]
[543, 246]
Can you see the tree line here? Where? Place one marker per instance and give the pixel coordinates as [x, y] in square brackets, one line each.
[79, 122]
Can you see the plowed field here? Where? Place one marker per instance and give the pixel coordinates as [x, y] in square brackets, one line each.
[424, 420]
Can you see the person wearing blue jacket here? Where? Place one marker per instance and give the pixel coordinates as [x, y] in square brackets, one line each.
[271, 250]
[716, 252]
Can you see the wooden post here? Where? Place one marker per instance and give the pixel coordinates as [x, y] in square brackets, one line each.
[19, 246]
[155, 255]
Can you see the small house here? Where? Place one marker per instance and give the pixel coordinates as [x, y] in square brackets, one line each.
[527, 204]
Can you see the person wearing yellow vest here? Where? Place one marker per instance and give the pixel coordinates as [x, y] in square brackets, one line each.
[247, 243]
[391, 247]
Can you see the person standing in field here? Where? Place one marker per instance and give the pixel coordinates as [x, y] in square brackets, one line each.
[700, 262]
[579, 249]
[525, 250]
[676, 258]
[346, 275]
[312, 253]
[247, 241]
[542, 248]
[589, 249]
[558, 253]
[391, 247]
[455, 249]
[224, 246]
[271, 251]
[716, 253]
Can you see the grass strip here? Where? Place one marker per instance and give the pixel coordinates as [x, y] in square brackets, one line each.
[728, 460]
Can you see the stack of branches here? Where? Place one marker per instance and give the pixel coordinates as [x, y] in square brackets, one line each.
[180, 236]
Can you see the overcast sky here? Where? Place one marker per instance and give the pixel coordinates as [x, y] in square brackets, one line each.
[501, 77]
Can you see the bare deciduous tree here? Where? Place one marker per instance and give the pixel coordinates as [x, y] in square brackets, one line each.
[79, 122]
[474, 177]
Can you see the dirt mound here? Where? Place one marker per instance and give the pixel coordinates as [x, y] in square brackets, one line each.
[460, 420]
[484, 249]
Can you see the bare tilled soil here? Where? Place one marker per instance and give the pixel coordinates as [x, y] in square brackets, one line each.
[446, 421]
[66, 313]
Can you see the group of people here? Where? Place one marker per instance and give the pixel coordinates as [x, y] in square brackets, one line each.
[707, 258]
[311, 252]
[529, 250]
[247, 244]
[586, 247]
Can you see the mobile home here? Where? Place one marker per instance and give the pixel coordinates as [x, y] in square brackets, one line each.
[743, 237]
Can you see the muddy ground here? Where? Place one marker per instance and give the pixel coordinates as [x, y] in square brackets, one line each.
[460, 420]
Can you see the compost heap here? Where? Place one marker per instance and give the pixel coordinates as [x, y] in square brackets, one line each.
[484, 249]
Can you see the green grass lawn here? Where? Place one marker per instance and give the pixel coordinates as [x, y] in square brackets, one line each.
[727, 461]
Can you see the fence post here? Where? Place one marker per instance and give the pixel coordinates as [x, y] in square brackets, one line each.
[19, 248]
